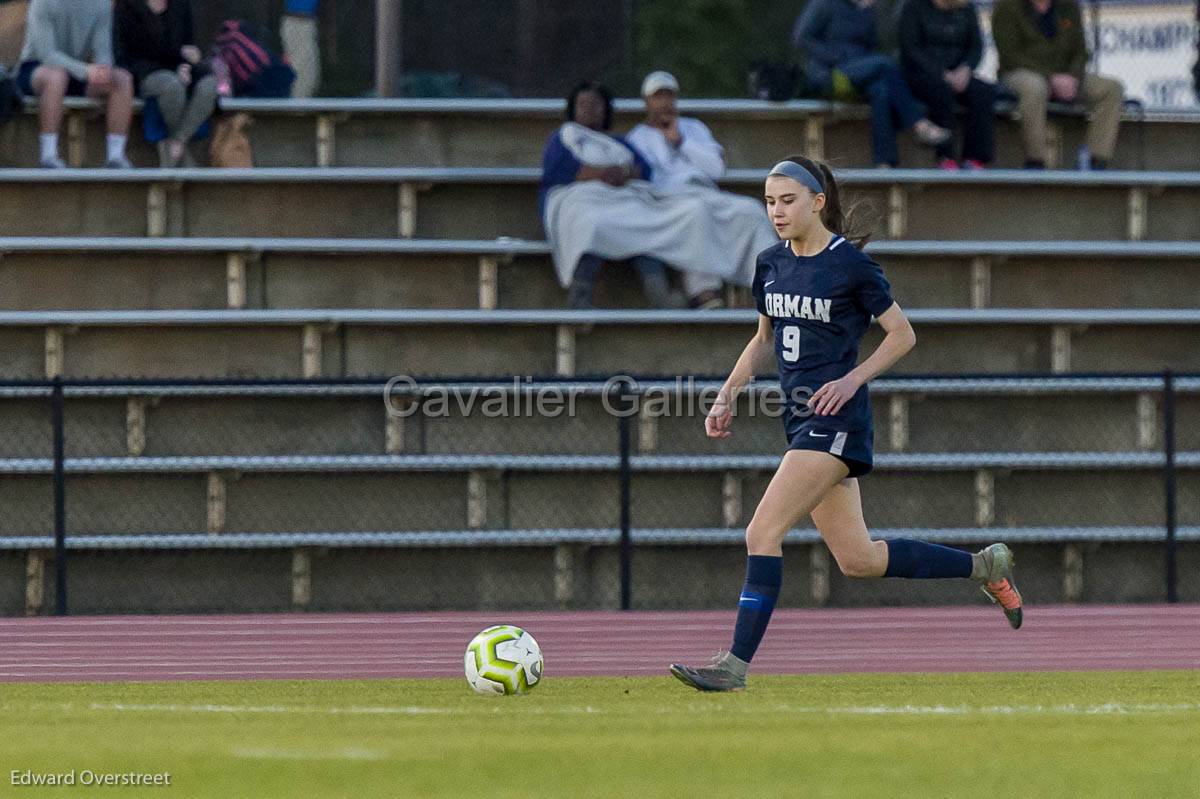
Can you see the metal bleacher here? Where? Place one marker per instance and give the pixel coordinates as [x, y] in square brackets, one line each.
[354, 257]
[427, 203]
[236, 273]
[510, 132]
[314, 343]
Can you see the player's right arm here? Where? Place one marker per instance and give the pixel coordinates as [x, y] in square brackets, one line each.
[754, 358]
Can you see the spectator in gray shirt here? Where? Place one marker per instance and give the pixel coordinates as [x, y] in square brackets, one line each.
[68, 51]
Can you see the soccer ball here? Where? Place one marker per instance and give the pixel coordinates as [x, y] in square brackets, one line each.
[503, 660]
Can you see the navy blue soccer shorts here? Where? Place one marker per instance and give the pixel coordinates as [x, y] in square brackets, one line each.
[854, 447]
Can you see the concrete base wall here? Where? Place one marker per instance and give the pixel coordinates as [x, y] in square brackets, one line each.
[346, 208]
[537, 578]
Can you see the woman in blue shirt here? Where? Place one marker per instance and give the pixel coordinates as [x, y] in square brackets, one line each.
[816, 294]
[583, 149]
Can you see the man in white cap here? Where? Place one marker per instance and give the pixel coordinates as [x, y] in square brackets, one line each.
[684, 156]
[681, 150]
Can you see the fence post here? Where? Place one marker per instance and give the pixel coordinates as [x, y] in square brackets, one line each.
[60, 503]
[1169, 483]
[624, 434]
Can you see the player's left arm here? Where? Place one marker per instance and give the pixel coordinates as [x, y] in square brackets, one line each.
[899, 338]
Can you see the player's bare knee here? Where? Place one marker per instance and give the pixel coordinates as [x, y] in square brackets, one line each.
[763, 538]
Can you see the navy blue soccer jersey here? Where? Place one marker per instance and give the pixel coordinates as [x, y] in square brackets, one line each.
[820, 306]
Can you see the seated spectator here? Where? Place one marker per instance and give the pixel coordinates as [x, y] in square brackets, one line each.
[838, 40]
[940, 47]
[1043, 57]
[246, 65]
[597, 203]
[683, 155]
[583, 153]
[301, 44]
[154, 42]
[68, 51]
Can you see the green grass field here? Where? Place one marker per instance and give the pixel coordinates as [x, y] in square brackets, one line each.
[1118, 734]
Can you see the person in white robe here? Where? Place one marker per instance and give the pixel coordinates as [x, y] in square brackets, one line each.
[684, 156]
[599, 204]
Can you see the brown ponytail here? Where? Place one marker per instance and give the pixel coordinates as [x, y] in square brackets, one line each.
[837, 221]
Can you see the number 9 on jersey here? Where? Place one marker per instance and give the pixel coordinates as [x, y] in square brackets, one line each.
[791, 343]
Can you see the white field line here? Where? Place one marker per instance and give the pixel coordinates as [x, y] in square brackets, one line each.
[412, 710]
[168, 655]
[1106, 709]
[295, 754]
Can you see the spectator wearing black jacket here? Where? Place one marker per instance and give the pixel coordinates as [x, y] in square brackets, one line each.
[154, 41]
[940, 47]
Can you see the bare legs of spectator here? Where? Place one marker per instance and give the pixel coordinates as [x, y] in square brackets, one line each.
[652, 271]
[182, 116]
[119, 113]
[1102, 96]
[50, 84]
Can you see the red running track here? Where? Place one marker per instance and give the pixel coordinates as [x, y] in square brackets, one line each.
[139, 648]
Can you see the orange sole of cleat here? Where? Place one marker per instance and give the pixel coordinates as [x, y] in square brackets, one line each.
[1009, 599]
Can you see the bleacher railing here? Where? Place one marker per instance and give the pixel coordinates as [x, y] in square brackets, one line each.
[64, 431]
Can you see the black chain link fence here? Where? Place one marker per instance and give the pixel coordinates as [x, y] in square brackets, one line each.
[225, 497]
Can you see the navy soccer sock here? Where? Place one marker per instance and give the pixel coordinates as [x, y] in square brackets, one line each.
[764, 576]
[922, 560]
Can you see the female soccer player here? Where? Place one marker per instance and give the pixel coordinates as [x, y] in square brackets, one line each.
[816, 294]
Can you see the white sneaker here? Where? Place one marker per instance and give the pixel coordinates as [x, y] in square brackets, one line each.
[52, 163]
[118, 163]
[930, 134]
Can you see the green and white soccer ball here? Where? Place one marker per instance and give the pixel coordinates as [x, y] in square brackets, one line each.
[503, 660]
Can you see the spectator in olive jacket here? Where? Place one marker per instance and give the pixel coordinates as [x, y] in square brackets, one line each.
[1043, 57]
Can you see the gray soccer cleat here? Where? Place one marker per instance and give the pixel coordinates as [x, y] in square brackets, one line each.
[724, 673]
[997, 583]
